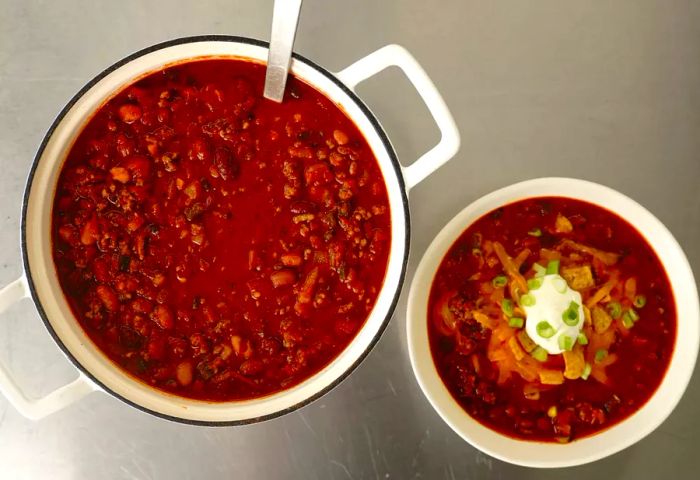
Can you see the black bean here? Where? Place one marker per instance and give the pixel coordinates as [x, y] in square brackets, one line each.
[130, 338]
[124, 262]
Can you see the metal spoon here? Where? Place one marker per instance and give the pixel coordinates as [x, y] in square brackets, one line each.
[285, 17]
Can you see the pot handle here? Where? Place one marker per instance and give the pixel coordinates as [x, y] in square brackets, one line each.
[36, 408]
[396, 55]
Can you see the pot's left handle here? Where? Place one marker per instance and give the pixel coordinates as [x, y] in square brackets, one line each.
[36, 408]
[396, 55]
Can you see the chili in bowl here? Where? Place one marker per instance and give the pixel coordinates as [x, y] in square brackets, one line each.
[207, 255]
[543, 323]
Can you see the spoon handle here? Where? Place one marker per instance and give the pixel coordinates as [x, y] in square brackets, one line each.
[285, 16]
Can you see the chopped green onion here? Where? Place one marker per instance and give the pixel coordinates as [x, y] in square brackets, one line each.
[534, 283]
[570, 315]
[539, 354]
[640, 301]
[627, 321]
[527, 300]
[540, 271]
[566, 342]
[586, 371]
[545, 330]
[553, 267]
[516, 322]
[499, 281]
[507, 307]
[633, 315]
[559, 284]
[614, 309]
[535, 232]
[582, 339]
[600, 355]
[516, 291]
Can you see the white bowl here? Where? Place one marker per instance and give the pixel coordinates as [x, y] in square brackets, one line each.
[618, 436]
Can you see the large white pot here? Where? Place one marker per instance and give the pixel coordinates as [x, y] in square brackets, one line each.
[613, 439]
[40, 281]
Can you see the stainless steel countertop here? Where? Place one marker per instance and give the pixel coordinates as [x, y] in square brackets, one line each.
[605, 91]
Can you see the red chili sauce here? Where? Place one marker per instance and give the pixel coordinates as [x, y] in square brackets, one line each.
[213, 243]
[483, 353]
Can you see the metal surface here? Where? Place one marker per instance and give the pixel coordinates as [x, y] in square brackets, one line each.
[285, 17]
[605, 91]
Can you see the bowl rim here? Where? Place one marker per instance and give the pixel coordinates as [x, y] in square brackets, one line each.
[404, 205]
[533, 453]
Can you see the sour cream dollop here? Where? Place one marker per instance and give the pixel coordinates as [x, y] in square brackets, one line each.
[553, 310]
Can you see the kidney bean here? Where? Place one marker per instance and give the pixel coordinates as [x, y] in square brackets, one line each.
[318, 174]
[183, 373]
[129, 113]
[251, 368]
[283, 277]
[162, 316]
[89, 233]
[291, 259]
[108, 297]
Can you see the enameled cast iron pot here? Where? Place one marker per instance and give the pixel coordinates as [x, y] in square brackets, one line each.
[40, 282]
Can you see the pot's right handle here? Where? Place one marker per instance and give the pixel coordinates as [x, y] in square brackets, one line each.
[396, 55]
[36, 408]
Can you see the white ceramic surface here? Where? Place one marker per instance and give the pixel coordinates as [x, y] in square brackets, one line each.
[49, 298]
[611, 440]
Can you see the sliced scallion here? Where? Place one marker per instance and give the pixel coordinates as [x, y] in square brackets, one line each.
[640, 301]
[527, 300]
[614, 309]
[545, 330]
[582, 339]
[633, 315]
[539, 354]
[516, 322]
[540, 271]
[507, 307]
[566, 342]
[534, 283]
[535, 232]
[570, 315]
[559, 284]
[600, 355]
[627, 321]
[586, 371]
[553, 267]
[499, 281]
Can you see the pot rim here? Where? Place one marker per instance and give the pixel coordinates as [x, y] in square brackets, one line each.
[620, 435]
[404, 204]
